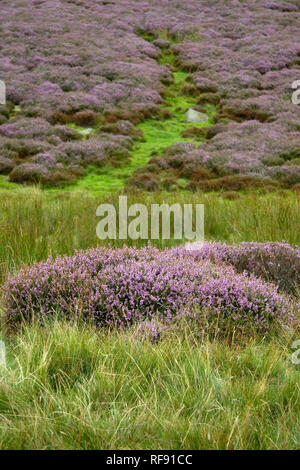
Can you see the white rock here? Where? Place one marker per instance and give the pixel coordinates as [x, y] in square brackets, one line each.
[86, 131]
[195, 116]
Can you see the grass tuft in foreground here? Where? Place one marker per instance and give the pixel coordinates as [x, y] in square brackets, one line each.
[70, 387]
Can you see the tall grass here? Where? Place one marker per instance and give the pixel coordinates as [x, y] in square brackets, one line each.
[70, 387]
[35, 224]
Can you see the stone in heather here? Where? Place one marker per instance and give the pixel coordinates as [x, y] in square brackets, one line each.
[195, 116]
[86, 131]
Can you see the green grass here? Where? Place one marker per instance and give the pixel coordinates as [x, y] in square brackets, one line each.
[5, 184]
[71, 387]
[158, 134]
[35, 224]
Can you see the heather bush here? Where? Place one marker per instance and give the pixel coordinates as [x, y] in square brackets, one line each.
[240, 111]
[60, 175]
[6, 110]
[26, 128]
[189, 89]
[161, 43]
[45, 159]
[211, 98]
[97, 149]
[29, 173]
[212, 131]
[45, 170]
[179, 148]
[123, 128]
[170, 183]
[275, 262]
[3, 119]
[194, 132]
[119, 287]
[22, 148]
[6, 165]
[290, 174]
[203, 84]
[138, 113]
[85, 118]
[228, 183]
[89, 151]
[63, 133]
[60, 118]
[231, 195]
[296, 162]
[35, 128]
[142, 180]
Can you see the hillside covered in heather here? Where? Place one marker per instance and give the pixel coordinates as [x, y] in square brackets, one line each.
[149, 227]
[85, 77]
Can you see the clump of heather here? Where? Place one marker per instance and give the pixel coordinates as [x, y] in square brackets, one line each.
[119, 287]
[56, 156]
[273, 261]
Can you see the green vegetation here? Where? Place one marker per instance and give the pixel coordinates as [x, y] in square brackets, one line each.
[35, 224]
[71, 387]
[158, 135]
[83, 131]
[192, 35]
[68, 386]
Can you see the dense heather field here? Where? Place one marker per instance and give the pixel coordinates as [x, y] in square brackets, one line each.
[107, 66]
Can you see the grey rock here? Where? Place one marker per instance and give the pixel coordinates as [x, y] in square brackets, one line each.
[86, 131]
[195, 116]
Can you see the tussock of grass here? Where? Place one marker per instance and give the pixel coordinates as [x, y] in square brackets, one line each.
[69, 387]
